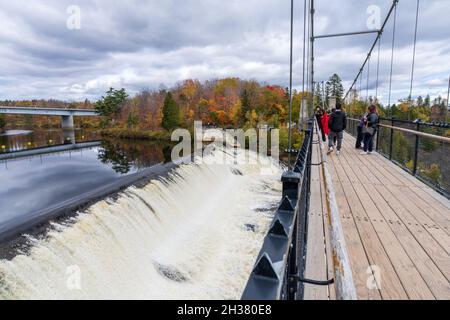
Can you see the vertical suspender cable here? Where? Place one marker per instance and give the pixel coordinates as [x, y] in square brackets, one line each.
[378, 69]
[368, 79]
[312, 53]
[448, 104]
[414, 59]
[303, 105]
[290, 83]
[380, 32]
[308, 51]
[392, 60]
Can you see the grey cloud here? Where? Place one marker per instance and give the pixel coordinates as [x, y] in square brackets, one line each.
[141, 44]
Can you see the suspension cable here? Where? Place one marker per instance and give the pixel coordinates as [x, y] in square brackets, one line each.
[368, 78]
[360, 85]
[290, 83]
[414, 58]
[394, 5]
[378, 69]
[392, 60]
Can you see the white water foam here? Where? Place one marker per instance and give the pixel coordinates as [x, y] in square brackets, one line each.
[193, 235]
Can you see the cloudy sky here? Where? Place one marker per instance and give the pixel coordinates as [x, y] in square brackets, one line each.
[144, 44]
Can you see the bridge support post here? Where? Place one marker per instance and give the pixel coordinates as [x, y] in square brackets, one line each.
[68, 127]
[67, 122]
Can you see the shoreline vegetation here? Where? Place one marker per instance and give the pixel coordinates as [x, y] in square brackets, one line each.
[221, 103]
[136, 134]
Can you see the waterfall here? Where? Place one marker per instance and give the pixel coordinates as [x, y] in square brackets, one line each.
[194, 234]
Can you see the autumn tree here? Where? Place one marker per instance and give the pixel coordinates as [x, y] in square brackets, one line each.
[2, 122]
[171, 113]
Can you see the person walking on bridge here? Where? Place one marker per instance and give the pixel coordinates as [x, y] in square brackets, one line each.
[360, 136]
[370, 129]
[319, 115]
[337, 124]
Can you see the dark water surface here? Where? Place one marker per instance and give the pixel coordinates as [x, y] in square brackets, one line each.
[37, 182]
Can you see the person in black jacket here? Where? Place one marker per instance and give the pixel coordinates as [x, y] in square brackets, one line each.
[370, 129]
[337, 125]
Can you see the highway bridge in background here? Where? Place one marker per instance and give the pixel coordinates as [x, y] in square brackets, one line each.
[65, 114]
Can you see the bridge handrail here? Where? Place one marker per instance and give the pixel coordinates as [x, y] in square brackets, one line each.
[417, 133]
[414, 168]
[281, 262]
[343, 276]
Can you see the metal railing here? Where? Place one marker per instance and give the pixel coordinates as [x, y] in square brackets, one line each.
[422, 149]
[281, 262]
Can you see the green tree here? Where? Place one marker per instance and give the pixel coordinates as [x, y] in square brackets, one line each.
[318, 101]
[171, 113]
[334, 88]
[2, 122]
[427, 101]
[111, 105]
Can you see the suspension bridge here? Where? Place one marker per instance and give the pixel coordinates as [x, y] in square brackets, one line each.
[347, 227]
[352, 226]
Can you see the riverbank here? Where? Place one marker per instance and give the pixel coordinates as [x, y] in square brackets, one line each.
[136, 134]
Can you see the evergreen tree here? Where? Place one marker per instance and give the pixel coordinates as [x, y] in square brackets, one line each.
[111, 105]
[334, 88]
[420, 101]
[171, 113]
[318, 93]
[428, 101]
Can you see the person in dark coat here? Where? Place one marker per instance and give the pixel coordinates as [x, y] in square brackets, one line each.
[370, 129]
[337, 125]
[360, 136]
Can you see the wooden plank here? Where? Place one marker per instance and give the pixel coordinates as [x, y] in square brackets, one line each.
[429, 259]
[358, 257]
[316, 264]
[331, 289]
[439, 219]
[412, 280]
[417, 232]
[392, 287]
[410, 210]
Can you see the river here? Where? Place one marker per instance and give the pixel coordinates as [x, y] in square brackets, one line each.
[33, 183]
[192, 233]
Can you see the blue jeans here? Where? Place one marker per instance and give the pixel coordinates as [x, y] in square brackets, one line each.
[368, 142]
[340, 137]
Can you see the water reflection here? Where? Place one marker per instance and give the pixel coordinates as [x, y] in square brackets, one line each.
[35, 183]
[18, 140]
[123, 155]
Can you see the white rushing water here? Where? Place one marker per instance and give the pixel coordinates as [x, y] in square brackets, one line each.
[193, 235]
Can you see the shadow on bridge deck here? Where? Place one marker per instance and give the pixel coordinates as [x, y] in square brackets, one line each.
[396, 228]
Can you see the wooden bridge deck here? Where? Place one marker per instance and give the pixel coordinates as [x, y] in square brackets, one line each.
[397, 229]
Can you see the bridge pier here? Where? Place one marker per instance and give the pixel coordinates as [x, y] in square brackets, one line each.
[67, 122]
